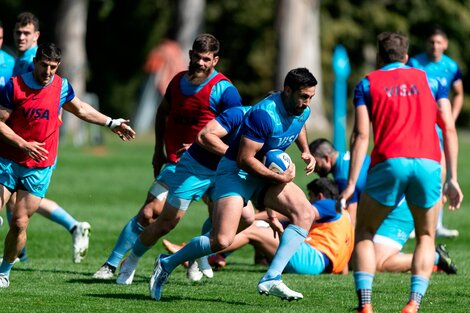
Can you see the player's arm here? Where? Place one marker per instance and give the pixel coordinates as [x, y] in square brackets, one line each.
[33, 149]
[302, 144]
[359, 144]
[457, 102]
[247, 161]
[446, 122]
[159, 157]
[86, 112]
[210, 137]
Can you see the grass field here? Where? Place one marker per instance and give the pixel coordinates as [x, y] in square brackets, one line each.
[106, 186]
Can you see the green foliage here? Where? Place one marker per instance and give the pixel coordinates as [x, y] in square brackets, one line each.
[120, 35]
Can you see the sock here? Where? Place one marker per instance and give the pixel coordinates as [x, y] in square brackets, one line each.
[207, 226]
[5, 268]
[419, 285]
[126, 240]
[291, 239]
[436, 258]
[62, 217]
[23, 255]
[9, 215]
[139, 249]
[363, 282]
[196, 248]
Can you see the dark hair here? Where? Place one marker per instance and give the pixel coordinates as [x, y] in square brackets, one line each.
[298, 78]
[437, 30]
[321, 147]
[393, 46]
[206, 43]
[325, 186]
[1, 24]
[26, 18]
[48, 51]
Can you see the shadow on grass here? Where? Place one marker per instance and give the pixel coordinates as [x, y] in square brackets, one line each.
[164, 299]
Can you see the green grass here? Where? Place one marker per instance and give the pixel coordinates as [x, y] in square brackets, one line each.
[107, 187]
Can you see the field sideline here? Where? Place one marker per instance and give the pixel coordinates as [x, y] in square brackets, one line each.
[107, 185]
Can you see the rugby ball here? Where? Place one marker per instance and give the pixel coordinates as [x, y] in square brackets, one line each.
[277, 160]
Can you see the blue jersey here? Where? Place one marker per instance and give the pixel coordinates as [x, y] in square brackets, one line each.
[7, 62]
[341, 172]
[24, 63]
[326, 210]
[223, 95]
[269, 123]
[231, 120]
[362, 90]
[445, 71]
[6, 97]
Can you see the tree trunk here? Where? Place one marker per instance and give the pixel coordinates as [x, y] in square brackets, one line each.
[298, 32]
[190, 22]
[71, 33]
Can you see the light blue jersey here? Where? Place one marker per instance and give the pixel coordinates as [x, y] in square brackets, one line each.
[195, 172]
[445, 71]
[24, 63]
[341, 172]
[7, 62]
[269, 123]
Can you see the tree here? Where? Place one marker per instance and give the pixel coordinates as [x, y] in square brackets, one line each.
[298, 29]
[71, 33]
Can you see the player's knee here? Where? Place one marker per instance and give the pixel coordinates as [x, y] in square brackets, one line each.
[19, 224]
[221, 242]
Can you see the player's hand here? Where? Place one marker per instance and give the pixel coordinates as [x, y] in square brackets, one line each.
[288, 175]
[454, 194]
[158, 161]
[276, 226]
[310, 161]
[344, 197]
[119, 126]
[183, 149]
[35, 151]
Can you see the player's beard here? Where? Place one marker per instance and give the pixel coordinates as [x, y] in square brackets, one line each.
[198, 75]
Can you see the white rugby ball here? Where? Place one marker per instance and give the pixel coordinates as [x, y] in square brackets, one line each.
[277, 160]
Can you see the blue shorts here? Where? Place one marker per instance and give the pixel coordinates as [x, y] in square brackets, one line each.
[159, 187]
[33, 180]
[190, 182]
[307, 261]
[396, 228]
[230, 180]
[419, 180]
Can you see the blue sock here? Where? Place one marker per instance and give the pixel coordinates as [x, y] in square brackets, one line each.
[291, 239]
[62, 217]
[363, 280]
[126, 240]
[9, 214]
[419, 284]
[207, 226]
[139, 249]
[436, 258]
[5, 267]
[196, 248]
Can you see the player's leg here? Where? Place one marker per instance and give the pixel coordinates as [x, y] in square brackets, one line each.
[390, 238]
[25, 206]
[370, 214]
[423, 195]
[150, 210]
[289, 200]
[80, 230]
